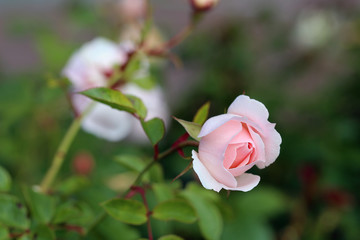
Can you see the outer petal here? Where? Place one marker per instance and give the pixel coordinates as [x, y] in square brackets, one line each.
[213, 123]
[245, 182]
[250, 108]
[272, 141]
[208, 181]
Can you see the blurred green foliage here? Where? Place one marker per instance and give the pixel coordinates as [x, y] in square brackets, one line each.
[310, 192]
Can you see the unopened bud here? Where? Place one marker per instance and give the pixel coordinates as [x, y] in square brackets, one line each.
[131, 10]
[203, 5]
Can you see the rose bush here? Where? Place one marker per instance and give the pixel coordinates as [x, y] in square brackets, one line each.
[234, 142]
[91, 66]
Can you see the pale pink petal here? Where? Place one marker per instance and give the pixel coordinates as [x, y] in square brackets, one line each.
[250, 108]
[259, 146]
[242, 169]
[206, 179]
[245, 182]
[272, 141]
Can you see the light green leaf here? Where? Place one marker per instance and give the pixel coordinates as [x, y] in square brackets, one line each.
[41, 206]
[131, 162]
[171, 237]
[162, 192]
[210, 219]
[13, 213]
[147, 82]
[154, 129]
[126, 210]
[5, 180]
[110, 97]
[73, 184]
[138, 105]
[4, 233]
[176, 209]
[202, 114]
[193, 129]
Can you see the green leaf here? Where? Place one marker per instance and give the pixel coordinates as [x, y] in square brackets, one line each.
[176, 209]
[126, 210]
[110, 97]
[138, 105]
[75, 213]
[43, 232]
[193, 129]
[202, 114]
[13, 213]
[41, 206]
[163, 192]
[73, 184]
[210, 219]
[171, 237]
[131, 162]
[4, 233]
[5, 180]
[154, 129]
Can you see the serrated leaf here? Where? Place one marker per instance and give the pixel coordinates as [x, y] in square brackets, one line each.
[5, 180]
[139, 106]
[202, 114]
[175, 209]
[13, 213]
[210, 219]
[41, 206]
[131, 162]
[154, 129]
[110, 97]
[171, 237]
[193, 129]
[126, 210]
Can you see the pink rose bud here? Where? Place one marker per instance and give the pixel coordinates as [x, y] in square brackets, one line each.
[203, 5]
[131, 10]
[234, 142]
[83, 163]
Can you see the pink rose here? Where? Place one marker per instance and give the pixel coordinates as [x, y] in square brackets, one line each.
[234, 142]
[203, 5]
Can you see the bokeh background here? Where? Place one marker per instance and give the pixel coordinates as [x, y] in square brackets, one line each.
[300, 58]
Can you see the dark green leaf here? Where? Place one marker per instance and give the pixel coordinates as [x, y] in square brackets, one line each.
[138, 105]
[170, 237]
[193, 129]
[110, 97]
[202, 114]
[210, 219]
[5, 180]
[12, 212]
[154, 129]
[43, 232]
[176, 209]
[126, 210]
[41, 206]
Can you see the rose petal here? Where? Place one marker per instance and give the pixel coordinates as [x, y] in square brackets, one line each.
[208, 181]
[213, 123]
[250, 108]
[272, 141]
[245, 182]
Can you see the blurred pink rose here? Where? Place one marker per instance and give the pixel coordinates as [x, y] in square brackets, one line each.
[234, 142]
[90, 67]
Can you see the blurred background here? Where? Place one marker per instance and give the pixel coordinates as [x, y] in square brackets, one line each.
[301, 58]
